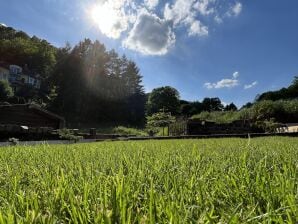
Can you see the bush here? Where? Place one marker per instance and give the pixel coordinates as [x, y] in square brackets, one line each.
[129, 131]
[219, 117]
[5, 91]
[67, 134]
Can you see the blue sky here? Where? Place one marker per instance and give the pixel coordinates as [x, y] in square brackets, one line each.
[233, 49]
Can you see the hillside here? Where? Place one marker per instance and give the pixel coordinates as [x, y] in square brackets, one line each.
[287, 93]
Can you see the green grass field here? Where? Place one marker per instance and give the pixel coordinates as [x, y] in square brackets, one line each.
[180, 181]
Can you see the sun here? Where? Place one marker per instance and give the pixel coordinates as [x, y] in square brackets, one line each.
[106, 17]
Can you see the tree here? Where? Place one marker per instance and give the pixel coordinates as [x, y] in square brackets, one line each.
[189, 109]
[134, 92]
[247, 105]
[98, 86]
[212, 104]
[163, 98]
[5, 91]
[160, 119]
[231, 107]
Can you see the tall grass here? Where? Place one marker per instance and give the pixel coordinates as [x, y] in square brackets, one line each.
[181, 181]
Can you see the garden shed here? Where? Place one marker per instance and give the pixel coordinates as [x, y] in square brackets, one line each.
[30, 115]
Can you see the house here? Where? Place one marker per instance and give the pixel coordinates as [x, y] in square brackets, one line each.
[288, 128]
[19, 77]
[30, 115]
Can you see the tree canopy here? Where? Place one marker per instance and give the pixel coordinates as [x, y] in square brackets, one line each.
[164, 98]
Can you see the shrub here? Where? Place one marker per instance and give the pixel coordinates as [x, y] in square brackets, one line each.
[129, 131]
[68, 134]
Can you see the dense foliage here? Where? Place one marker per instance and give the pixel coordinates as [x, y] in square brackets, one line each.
[189, 109]
[5, 91]
[96, 85]
[181, 181]
[16, 47]
[283, 111]
[86, 83]
[159, 120]
[164, 98]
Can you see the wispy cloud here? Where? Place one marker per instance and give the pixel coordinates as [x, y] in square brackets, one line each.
[248, 86]
[235, 9]
[185, 12]
[224, 83]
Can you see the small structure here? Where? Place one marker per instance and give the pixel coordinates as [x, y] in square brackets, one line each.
[288, 128]
[30, 115]
[201, 127]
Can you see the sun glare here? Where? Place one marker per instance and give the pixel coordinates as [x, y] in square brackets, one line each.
[106, 17]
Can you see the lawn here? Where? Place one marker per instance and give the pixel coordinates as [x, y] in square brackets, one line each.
[171, 181]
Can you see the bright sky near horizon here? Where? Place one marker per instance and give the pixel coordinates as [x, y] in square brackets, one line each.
[233, 49]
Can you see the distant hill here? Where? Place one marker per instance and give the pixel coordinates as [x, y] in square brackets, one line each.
[288, 93]
[17, 47]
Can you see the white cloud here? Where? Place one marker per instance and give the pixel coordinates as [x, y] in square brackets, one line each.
[179, 12]
[150, 35]
[124, 19]
[235, 10]
[3, 24]
[204, 7]
[235, 75]
[184, 12]
[197, 29]
[151, 4]
[218, 19]
[250, 85]
[224, 83]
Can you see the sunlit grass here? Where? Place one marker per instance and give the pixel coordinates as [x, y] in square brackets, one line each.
[181, 181]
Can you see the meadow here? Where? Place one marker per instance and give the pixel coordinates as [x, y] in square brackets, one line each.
[170, 181]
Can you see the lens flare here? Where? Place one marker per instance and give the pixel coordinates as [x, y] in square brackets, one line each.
[109, 19]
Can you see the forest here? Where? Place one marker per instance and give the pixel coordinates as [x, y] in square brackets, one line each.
[90, 85]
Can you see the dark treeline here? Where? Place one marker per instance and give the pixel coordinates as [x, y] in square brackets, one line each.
[288, 93]
[168, 99]
[95, 85]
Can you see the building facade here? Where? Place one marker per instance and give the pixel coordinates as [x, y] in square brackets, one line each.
[19, 77]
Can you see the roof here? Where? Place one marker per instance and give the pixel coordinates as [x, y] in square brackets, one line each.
[35, 107]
